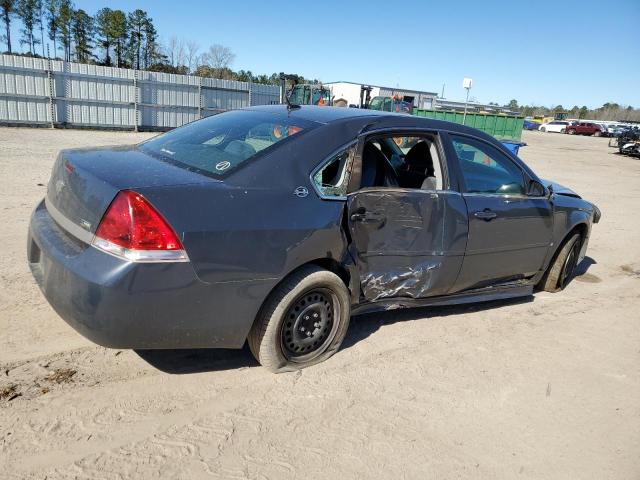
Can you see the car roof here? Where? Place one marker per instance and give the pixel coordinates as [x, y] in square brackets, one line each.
[320, 114]
[369, 119]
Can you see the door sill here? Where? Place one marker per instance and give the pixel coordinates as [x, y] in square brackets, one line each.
[487, 294]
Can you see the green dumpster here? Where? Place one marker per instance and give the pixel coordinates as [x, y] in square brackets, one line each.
[503, 127]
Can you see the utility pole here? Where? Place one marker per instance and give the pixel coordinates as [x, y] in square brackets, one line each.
[466, 83]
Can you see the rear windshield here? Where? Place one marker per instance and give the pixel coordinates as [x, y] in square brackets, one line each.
[220, 144]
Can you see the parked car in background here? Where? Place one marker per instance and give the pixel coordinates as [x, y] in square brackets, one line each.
[556, 126]
[272, 225]
[584, 128]
[613, 129]
[530, 125]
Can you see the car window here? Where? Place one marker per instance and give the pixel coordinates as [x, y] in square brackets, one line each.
[411, 162]
[219, 144]
[331, 180]
[487, 170]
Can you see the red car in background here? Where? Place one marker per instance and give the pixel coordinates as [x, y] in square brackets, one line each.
[584, 128]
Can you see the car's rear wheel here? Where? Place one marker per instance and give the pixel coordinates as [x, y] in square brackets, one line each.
[303, 322]
[563, 266]
[562, 130]
[571, 132]
[543, 129]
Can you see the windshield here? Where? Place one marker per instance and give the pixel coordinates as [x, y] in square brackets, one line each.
[219, 144]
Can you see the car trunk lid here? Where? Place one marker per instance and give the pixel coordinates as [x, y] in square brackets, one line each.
[84, 182]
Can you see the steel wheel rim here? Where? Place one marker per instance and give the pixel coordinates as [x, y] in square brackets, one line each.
[569, 265]
[310, 325]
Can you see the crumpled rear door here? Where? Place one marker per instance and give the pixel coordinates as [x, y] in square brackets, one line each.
[407, 243]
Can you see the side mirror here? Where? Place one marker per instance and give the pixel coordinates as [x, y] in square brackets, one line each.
[536, 189]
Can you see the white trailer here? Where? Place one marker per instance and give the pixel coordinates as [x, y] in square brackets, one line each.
[345, 94]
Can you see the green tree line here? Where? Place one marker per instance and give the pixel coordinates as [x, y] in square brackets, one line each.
[608, 111]
[111, 37]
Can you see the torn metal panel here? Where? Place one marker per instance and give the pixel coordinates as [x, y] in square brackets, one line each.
[407, 243]
[412, 282]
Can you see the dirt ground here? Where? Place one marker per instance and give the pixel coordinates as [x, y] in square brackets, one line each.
[545, 387]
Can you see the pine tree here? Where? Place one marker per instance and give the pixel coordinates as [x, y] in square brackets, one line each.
[52, 13]
[83, 35]
[8, 11]
[40, 22]
[27, 11]
[137, 21]
[152, 54]
[103, 28]
[65, 27]
[118, 28]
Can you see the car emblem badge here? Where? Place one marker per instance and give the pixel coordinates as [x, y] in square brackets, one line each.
[301, 192]
[221, 166]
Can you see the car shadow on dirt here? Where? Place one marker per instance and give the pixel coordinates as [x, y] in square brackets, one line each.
[362, 326]
[180, 362]
[198, 360]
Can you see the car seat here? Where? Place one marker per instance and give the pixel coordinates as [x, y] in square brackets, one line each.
[376, 169]
[418, 168]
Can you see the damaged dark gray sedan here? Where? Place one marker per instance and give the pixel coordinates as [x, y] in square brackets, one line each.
[274, 225]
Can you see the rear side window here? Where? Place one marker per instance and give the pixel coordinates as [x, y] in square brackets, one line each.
[219, 144]
[331, 179]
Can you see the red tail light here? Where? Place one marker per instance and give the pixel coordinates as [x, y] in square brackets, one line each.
[131, 228]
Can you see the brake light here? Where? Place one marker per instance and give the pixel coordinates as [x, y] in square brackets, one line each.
[132, 229]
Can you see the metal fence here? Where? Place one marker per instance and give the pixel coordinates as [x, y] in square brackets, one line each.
[39, 91]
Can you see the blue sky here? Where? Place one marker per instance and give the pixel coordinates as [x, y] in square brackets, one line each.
[545, 53]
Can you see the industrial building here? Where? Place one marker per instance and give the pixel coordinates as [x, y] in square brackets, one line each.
[349, 93]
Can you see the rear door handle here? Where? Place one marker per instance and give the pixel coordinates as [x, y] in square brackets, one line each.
[367, 217]
[485, 214]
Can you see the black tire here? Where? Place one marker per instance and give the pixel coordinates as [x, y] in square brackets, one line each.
[562, 267]
[543, 129]
[310, 297]
[562, 130]
[571, 132]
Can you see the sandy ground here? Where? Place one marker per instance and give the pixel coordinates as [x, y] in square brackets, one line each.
[547, 387]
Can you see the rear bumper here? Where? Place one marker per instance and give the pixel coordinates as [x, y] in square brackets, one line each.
[120, 304]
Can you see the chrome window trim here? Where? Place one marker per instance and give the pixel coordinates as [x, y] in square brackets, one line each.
[391, 190]
[506, 196]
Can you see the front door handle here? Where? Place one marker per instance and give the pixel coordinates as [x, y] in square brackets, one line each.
[486, 214]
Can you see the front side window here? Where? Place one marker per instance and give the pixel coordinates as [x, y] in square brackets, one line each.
[331, 179]
[219, 144]
[487, 170]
